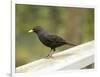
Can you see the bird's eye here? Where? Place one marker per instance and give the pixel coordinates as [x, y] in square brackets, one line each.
[33, 29]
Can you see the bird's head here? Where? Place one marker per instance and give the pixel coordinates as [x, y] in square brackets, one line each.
[36, 29]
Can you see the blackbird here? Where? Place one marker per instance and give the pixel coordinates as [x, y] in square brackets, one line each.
[49, 40]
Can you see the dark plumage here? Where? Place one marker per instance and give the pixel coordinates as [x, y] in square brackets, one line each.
[48, 39]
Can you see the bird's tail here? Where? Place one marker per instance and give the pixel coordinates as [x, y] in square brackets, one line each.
[70, 44]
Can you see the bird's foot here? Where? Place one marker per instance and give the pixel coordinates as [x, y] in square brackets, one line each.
[49, 56]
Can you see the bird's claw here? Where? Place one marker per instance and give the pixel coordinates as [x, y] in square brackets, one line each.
[49, 56]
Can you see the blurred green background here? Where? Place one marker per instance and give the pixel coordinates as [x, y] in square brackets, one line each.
[75, 25]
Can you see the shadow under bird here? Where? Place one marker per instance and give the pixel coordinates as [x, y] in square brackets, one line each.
[49, 40]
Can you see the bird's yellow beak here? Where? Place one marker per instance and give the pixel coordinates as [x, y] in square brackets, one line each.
[30, 31]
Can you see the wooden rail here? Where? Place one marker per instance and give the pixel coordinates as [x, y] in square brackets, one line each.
[74, 58]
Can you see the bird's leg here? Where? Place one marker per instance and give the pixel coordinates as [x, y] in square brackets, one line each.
[54, 50]
[51, 52]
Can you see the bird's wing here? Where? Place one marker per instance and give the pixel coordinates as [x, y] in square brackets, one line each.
[55, 38]
[58, 39]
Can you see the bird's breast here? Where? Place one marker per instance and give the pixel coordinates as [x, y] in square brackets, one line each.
[44, 40]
